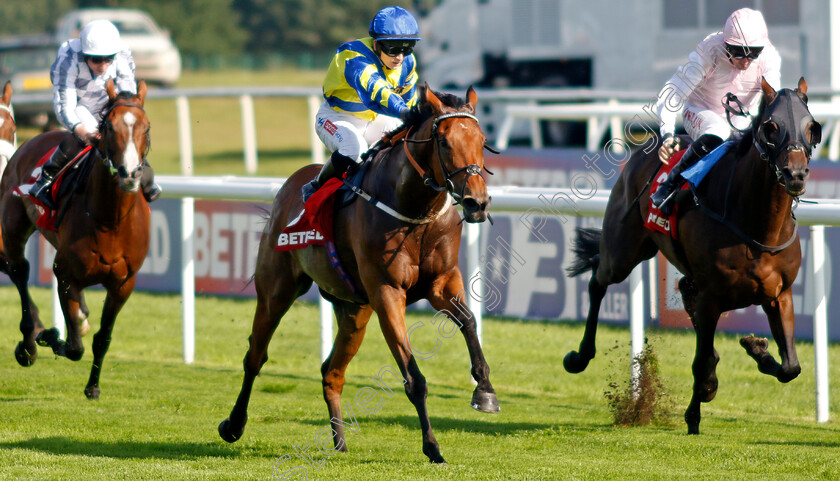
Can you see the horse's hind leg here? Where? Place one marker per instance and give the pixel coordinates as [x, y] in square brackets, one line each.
[780, 315]
[277, 289]
[16, 229]
[352, 323]
[449, 298]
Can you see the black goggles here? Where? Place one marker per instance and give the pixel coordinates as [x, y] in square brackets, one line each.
[98, 60]
[395, 48]
[739, 52]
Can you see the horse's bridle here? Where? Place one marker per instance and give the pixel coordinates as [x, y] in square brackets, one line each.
[769, 151]
[106, 155]
[449, 185]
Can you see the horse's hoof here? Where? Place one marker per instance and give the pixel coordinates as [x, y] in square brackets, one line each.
[693, 429]
[24, 357]
[226, 431]
[434, 455]
[485, 402]
[48, 338]
[574, 362]
[92, 392]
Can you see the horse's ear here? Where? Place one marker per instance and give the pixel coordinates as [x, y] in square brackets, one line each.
[112, 91]
[802, 89]
[7, 93]
[431, 99]
[472, 98]
[769, 91]
[141, 91]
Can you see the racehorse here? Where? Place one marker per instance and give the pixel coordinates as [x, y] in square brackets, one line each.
[8, 137]
[395, 256]
[102, 238]
[738, 245]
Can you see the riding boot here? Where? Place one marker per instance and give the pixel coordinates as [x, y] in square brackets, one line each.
[334, 167]
[151, 190]
[662, 199]
[42, 187]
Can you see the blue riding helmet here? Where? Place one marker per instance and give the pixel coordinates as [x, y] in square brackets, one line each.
[394, 23]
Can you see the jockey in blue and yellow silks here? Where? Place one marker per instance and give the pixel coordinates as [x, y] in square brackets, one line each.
[369, 89]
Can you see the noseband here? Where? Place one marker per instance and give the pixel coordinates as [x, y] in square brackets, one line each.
[449, 185]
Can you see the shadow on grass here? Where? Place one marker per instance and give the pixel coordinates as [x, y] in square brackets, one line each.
[124, 449]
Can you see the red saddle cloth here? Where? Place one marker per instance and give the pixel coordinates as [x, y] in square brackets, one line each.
[314, 224]
[47, 217]
[656, 220]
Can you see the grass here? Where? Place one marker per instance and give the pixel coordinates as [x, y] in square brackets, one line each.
[157, 418]
[283, 125]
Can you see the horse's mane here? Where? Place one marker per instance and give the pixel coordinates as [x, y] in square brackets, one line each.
[449, 100]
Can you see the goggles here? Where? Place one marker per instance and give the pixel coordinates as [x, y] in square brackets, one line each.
[739, 52]
[393, 48]
[98, 60]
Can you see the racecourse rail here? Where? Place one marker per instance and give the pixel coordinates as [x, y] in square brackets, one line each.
[600, 109]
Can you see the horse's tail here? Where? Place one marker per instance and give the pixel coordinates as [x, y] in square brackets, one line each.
[586, 247]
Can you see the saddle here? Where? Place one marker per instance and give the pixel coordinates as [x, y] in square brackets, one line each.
[72, 178]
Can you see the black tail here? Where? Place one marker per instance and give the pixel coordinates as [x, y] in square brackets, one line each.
[585, 246]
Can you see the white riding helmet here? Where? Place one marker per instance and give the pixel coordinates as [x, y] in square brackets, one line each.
[100, 38]
[745, 28]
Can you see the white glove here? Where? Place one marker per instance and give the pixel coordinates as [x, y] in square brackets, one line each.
[670, 145]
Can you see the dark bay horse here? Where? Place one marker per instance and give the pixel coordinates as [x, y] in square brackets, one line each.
[8, 138]
[392, 261]
[102, 238]
[738, 248]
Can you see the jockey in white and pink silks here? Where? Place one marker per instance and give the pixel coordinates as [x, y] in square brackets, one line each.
[733, 61]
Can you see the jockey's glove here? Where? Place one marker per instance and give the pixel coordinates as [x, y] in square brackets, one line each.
[411, 115]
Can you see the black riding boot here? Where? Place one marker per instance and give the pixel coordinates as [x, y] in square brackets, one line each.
[151, 190]
[665, 193]
[65, 152]
[335, 166]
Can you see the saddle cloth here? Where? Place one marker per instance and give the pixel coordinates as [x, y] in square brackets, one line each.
[656, 220]
[47, 218]
[313, 226]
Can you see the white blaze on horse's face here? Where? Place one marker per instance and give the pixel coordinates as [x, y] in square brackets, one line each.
[131, 155]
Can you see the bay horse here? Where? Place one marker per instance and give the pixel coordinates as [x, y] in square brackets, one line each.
[102, 238]
[738, 245]
[8, 136]
[394, 259]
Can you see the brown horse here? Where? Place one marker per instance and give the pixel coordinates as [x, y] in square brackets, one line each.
[394, 259]
[738, 246]
[8, 138]
[102, 238]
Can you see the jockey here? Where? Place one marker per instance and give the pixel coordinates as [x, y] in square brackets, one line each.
[734, 60]
[79, 75]
[369, 89]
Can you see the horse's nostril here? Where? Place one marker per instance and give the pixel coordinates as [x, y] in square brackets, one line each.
[470, 204]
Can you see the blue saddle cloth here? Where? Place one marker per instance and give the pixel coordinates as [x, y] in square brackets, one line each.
[698, 171]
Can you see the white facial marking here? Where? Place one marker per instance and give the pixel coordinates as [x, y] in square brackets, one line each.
[131, 156]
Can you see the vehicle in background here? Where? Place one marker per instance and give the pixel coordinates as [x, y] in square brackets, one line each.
[157, 60]
[26, 61]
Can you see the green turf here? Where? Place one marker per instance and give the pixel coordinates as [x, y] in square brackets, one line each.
[157, 418]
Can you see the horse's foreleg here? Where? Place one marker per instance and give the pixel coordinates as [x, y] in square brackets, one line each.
[352, 323]
[274, 297]
[780, 315]
[706, 358]
[73, 349]
[451, 300]
[389, 304]
[576, 361]
[114, 301]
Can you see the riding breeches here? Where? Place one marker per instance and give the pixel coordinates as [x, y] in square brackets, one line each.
[699, 121]
[348, 134]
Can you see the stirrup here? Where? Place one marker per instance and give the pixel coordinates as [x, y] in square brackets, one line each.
[667, 204]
